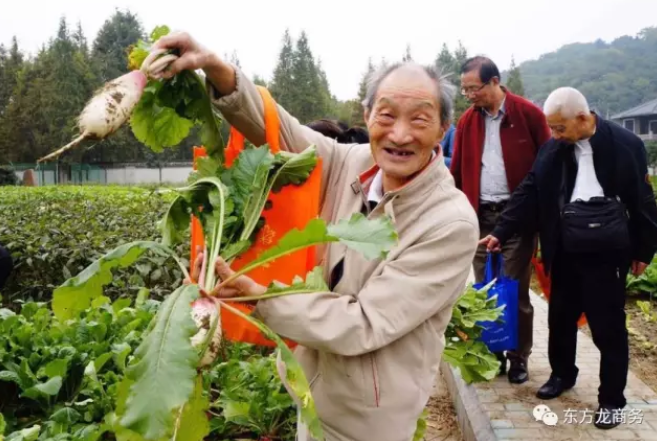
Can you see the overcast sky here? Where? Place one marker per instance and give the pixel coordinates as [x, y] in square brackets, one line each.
[345, 33]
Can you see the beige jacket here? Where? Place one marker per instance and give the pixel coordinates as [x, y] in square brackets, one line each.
[371, 348]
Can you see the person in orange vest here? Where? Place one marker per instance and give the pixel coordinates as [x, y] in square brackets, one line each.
[371, 345]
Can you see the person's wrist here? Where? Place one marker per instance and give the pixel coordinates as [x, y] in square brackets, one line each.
[211, 62]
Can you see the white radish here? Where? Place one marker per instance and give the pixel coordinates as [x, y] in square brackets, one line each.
[112, 105]
[206, 315]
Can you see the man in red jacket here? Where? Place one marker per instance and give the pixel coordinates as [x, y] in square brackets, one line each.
[496, 142]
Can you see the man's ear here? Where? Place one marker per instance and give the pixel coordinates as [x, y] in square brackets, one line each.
[366, 116]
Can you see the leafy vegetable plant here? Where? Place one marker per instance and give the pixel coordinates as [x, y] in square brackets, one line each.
[464, 350]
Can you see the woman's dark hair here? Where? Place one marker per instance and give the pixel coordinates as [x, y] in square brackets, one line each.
[340, 131]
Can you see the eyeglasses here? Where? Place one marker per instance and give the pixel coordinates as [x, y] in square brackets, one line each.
[475, 89]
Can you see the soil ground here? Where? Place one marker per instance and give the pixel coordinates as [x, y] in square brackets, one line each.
[441, 422]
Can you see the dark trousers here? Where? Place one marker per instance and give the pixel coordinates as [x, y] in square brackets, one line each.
[595, 285]
[517, 253]
[6, 266]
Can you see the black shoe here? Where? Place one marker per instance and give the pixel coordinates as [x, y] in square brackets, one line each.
[518, 372]
[502, 359]
[607, 417]
[554, 387]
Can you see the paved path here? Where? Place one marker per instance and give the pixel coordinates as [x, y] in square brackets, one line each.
[510, 406]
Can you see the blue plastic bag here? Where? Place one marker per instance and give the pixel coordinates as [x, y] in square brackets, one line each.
[501, 335]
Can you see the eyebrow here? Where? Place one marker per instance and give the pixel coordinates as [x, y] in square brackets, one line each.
[420, 105]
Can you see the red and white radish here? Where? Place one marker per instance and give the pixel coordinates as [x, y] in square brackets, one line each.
[206, 315]
[112, 105]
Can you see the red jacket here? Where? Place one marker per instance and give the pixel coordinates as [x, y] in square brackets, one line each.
[523, 130]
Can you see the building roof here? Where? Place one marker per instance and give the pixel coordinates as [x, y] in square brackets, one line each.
[647, 108]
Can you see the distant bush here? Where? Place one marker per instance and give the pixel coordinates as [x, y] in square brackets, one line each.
[54, 232]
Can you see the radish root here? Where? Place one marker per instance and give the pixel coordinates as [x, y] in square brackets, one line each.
[112, 105]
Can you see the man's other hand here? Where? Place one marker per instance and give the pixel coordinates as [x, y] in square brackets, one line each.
[492, 244]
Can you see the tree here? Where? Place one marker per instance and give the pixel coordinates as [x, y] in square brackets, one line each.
[514, 82]
[282, 83]
[407, 55]
[357, 104]
[257, 79]
[312, 99]
[112, 45]
[446, 62]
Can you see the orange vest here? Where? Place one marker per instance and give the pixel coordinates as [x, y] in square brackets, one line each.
[291, 208]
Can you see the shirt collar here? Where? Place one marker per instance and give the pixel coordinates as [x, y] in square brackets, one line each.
[501, 112]
[375, 193]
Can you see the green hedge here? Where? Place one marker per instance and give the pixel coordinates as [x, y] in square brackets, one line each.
[54, 232]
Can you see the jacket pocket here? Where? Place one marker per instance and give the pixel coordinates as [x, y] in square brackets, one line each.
[371, 383]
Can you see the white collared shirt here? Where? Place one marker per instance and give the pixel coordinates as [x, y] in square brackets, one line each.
[586, 183]
[375, 193]
[494, 185]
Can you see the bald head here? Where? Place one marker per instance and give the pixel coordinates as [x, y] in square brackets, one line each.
[567, 101]
[568, 115]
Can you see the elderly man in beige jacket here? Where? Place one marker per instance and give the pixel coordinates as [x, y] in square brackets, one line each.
[371, 347]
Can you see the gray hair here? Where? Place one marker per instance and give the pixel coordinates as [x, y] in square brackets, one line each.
[568, 101]
[446, 90]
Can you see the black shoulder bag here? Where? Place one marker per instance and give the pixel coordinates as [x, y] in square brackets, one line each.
[597, 225]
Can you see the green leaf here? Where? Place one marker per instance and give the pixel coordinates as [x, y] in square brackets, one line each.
[56, 368]
[158, 32]
[76, 294]
[296, 168]
[158, 127]
[11, 376]
[314, 283]
[207, 167]
[165, 357]
[29, 434]
[473, 360]
[66, 416]
[175, 222]
[292, 374]
[371, 237]
[142, 296]
[235, 249]
[236, 412]
[192, 423]
[374, 238]
[247, 179]
[48, 389]
[3, 426]
[421, 427]
[138, 54]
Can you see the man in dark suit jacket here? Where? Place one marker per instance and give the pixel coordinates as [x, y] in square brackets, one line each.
[589, 197]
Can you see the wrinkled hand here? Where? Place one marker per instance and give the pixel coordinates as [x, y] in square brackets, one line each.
[638, 268]
[192, 55]
[241, 286]
[492, 244]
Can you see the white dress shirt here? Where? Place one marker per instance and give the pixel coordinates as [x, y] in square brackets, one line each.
[586, 183]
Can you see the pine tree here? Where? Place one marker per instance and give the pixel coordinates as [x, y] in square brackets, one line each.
[447, 62]
[281, 86]
[407, 55]
[258, 80]
[235, 60]
[514, 83]
[357, 104]
[311, 102]
[112, 45]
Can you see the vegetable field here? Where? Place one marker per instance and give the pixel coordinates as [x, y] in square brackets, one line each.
[109, 332]
[64, 379]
